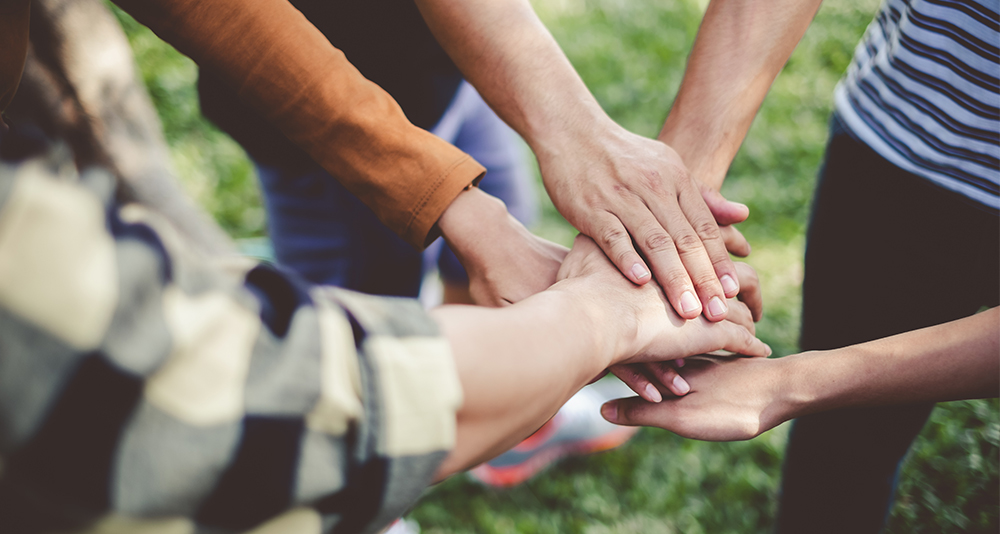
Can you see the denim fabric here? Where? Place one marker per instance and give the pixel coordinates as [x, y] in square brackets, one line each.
[326, 234]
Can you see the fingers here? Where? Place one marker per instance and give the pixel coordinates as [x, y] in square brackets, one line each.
[750, 293]
[725, 212]
[741, 314]
[637, 412]
[667, 375]
[711, 237]
[741, 341]
[691, 235]
[609, 234]
[644, 378]
[637, 381]
[736, 244]
[704, 337]
[658, 244]
[728, 213]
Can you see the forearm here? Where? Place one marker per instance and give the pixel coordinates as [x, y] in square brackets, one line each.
[506, 52]
[740, 49]
[956, 360]
[284, 68]
[517, 366]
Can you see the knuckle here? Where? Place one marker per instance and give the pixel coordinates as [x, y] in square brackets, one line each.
[707, 229]
[673, 278]
[652, 180]
[611, 236]
[705, 280]
[682, 177]
[687, 242]
[658, 242]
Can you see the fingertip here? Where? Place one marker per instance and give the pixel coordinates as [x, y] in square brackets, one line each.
[740, 210]
[651, 394]
[610, 412]
[679, 386]
[640, 274]
[688, 306]
[729, 285]
[716, 309]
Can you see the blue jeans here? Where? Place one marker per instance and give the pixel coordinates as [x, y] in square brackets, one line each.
[887, 252]
[327, 235]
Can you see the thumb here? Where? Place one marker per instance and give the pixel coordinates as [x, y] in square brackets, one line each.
[725, 211]
[635, 411]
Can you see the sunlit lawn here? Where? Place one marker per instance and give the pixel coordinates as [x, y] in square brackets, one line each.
[632, 54]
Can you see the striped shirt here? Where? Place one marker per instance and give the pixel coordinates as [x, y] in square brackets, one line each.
[924, 92]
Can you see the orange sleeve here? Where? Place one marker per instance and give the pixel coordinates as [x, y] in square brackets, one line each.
[283, 67]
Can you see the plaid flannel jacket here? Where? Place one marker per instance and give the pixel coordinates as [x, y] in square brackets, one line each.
[146, 389]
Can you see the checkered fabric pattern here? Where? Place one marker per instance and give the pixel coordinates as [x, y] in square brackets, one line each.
[146, 389]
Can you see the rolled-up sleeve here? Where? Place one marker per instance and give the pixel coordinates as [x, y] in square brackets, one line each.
[144, 386]
[284, 68]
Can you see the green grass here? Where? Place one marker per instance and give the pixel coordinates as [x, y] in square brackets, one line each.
[632, 53]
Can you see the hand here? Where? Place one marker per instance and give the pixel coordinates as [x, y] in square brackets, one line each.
[619, 187]
[648, 379]
[505, 262]
[641, 322]
[730, 399]
[727, 214]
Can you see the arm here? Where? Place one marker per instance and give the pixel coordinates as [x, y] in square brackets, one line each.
[288, 70]
[518, 365]
[283, 67]
[609, 183]
[120, 348]
[740, 49]
[741, 399]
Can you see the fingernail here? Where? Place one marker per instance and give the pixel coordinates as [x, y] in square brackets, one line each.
[652, 393]
[681, 385]
[679, 362]
[610, 412]
[639, 271]
[728, 284]
[716, 307]
[768, 349]
[689, 303]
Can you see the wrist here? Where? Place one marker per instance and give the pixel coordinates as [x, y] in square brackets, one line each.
[809, 384]
[611, 330]
[588, 130]
[580, 298]
[472, 217]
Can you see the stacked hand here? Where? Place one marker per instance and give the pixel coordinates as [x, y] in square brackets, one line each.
[651, 380]
[645, 327]
[636, 199]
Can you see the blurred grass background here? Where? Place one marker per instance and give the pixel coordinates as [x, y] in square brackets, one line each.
[631, 53]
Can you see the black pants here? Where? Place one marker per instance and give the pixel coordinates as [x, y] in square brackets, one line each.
[887, 252]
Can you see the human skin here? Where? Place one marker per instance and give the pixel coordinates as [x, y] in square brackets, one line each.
[647, 379]
[519, 364]
[485, 238]
[505, 262]
[738, 52]
[740, 49]
[610, 184]
[741, 398]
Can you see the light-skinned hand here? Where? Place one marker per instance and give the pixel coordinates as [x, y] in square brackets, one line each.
[622, 190]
